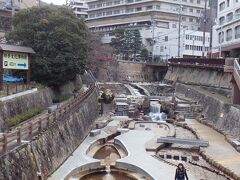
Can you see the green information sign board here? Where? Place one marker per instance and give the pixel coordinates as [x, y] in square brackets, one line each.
[15, 60]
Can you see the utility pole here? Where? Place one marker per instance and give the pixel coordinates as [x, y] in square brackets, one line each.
[204, 28]
[179, 28]
[153, 38]
[221, 39]
[13, 11]
[193, 46]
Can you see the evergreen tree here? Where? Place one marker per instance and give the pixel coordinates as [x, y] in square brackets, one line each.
[59, 39]
[127, 42]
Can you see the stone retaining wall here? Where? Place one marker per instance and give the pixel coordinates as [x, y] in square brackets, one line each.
[191, 75]
[51, 148]
[224, 117]
[18, 105]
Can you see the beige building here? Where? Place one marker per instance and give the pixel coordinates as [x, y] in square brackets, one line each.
[156, 19]
[164, 12]
[19, 4]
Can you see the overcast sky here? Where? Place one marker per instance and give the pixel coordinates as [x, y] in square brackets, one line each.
[58, 2]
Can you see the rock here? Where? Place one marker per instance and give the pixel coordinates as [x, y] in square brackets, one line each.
[180, 117]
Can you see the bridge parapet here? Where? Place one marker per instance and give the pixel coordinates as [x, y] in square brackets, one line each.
[198, 62]
[229, 65]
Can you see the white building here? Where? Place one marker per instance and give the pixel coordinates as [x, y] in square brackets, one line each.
[80, 8]
[191, 44]
[152, 17]
[19, 4]
[226, 32]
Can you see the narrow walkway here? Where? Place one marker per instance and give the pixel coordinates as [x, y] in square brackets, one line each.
[219, 149]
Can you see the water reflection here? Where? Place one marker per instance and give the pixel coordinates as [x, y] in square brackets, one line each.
[103, 175]
[107, 151]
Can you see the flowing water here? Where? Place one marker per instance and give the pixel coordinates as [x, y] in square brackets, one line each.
[155, 112]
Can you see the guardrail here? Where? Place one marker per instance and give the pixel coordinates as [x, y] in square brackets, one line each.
[198, 62]
[31, 129]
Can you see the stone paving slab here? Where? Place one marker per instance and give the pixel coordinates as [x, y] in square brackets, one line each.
[134, 142]
[219, 149]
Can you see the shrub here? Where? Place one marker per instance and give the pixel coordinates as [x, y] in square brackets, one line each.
[61, 98]
[23, 117]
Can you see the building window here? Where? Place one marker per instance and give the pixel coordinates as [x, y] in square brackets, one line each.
[190, 19]
[190, 10]
[220, 37]
[237, 13]
[174, 26]
[222, 6]
[92, 6]
[129, 1]
[183, 18]
[184, 9]
[109, 4]
[228, 3]
[198, 11]
[99, 14]
[109, 13]
[92, 15]
[116, 2]
[139, 9]
[116, 11]
[129, 10]
[221, 20]
[237, 32]
[229, 35]
[166, 38]
[229, 16]
[199, 1]
[149, 7]
[99, 5]
[187, 47]
[158, 7]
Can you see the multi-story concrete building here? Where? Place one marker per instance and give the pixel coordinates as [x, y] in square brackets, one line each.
[80, 8]
[151, 17]
[19, 4]
[191, 44]
[226, 32]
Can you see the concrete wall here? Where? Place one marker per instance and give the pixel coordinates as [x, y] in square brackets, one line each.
[135, 72]
[48, 151]
[213, 108]
[11, 108]
[199, 76]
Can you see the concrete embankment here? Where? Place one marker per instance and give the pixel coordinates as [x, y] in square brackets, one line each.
[199, 76]
[18, 105]
[219, 114]
[46, 152]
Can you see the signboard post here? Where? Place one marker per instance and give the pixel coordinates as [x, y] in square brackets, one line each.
[15, 57]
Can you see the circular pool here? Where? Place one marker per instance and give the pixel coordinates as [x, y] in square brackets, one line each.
[104, 175]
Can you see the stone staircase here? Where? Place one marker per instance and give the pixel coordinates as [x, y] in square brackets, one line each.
[186, 110]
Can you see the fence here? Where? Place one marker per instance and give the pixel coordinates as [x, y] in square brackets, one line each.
[16, 137]
[198, 62]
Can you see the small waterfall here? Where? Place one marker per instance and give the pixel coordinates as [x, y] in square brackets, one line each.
[155, 112]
